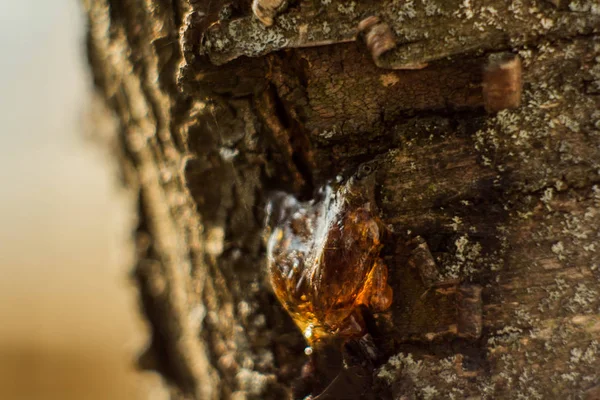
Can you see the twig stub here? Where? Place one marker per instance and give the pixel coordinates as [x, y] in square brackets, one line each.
[502, 82]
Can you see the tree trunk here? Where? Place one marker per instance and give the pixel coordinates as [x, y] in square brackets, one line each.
[216, 111]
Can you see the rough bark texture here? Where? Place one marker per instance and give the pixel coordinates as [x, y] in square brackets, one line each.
[215, 111]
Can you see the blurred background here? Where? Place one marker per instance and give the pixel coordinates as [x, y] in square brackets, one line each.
[69, 324]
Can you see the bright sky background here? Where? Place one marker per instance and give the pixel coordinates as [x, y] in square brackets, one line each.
[69, 324]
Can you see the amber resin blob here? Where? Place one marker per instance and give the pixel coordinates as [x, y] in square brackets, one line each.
[323, 259]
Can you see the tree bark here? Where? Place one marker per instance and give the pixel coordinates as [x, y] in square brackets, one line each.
[216, 110]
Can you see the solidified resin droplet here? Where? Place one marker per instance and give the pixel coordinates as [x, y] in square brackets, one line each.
[323, 260]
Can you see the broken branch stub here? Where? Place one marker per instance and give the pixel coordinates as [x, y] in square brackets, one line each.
[267, 10]
[502, 82]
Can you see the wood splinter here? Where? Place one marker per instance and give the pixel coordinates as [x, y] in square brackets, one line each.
[422, 260]
[502, 82]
